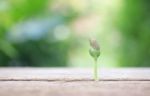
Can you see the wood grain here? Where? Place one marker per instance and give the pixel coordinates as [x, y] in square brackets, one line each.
[73, 82]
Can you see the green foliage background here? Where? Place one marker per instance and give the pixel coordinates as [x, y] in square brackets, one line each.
[132, 21]
[134, 24]
[40, 52]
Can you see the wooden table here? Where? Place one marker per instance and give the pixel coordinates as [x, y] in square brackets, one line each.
[74, 82]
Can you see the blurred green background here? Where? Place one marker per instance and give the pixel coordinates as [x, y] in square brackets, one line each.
[56, 32]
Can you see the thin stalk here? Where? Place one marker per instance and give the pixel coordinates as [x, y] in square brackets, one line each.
[95, 70]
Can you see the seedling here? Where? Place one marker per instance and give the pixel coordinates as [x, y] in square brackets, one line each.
[95, 53]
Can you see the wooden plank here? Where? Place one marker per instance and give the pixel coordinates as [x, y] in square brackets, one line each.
[73, 82]
[73, 74]
[75, 88]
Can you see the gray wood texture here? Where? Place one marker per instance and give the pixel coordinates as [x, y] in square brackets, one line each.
[74, 82]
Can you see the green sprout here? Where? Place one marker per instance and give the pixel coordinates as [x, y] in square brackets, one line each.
[95, 53]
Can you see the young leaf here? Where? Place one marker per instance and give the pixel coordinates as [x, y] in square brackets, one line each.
[95, 53]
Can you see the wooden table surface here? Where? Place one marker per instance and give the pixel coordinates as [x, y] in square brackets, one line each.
[74, 82]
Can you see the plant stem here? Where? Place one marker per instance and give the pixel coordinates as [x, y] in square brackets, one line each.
[95, 70]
